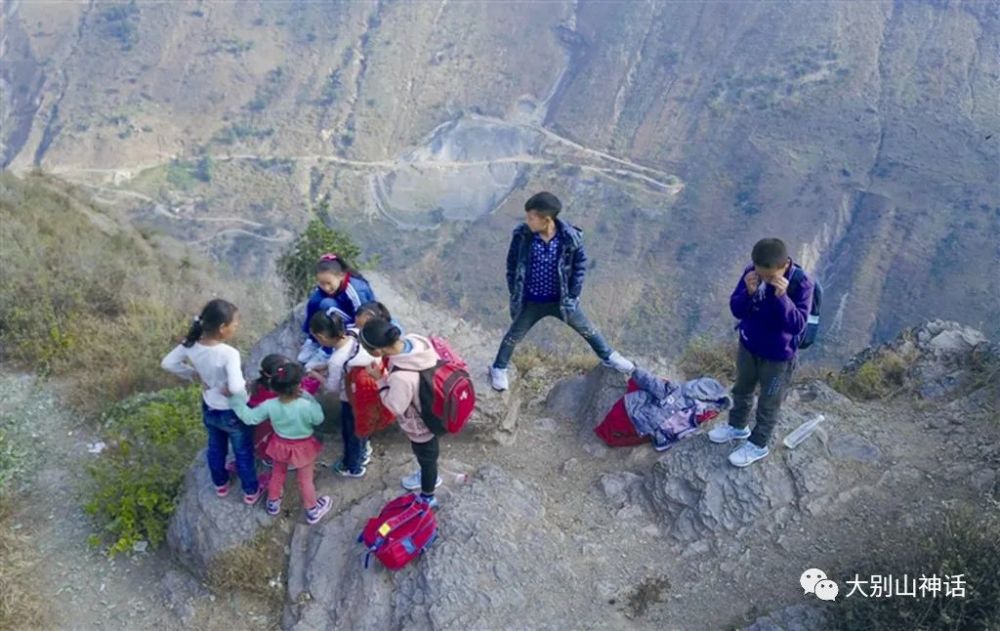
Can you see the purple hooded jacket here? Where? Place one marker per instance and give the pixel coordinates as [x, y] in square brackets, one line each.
[770, 326]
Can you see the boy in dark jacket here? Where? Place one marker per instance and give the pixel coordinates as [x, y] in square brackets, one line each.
[546, 265]
[772, 312]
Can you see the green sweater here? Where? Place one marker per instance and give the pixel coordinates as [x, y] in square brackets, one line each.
[293, 420]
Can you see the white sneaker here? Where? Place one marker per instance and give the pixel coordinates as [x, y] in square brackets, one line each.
[498, 379]
[747, 454]
[725, 433]
[412, 481]
[619, 363]
[309, 349]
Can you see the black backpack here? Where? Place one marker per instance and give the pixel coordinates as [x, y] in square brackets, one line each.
[808, 336]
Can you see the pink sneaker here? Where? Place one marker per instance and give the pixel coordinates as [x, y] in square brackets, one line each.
[322, 507]
[222, 491]
[251, 500]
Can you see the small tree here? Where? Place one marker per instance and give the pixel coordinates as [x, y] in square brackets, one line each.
[297, 264]
[203, 170]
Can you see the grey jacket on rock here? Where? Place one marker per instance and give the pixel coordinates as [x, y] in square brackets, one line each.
[657, 400]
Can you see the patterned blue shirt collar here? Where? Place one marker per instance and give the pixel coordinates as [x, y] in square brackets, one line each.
[543, 270]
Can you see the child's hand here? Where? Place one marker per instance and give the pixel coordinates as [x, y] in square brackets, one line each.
[375, 370]
[780, 284]
[315, 374]
[752, 281]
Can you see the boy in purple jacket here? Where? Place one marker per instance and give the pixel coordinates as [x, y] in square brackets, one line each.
[772, 310]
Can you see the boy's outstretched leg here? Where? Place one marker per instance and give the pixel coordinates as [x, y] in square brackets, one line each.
[580, 323]
[529, 316]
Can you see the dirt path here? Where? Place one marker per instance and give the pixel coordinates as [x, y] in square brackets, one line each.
[83, 588]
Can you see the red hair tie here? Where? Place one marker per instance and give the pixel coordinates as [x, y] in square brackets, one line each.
[329, 256]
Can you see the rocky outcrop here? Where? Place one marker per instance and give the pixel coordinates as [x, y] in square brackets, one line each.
[693, 492]
[587, 398]
[286, 338]
[938, 359]
[496, 564]
[204, 526]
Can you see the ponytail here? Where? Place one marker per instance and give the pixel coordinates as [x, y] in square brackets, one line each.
[287, 378]
[194, 332]
[328, 323]
[214, 315]
[380, 333]
[268, 367]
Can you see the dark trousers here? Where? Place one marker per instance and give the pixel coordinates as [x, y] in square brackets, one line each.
[354, 447]
[224, 427]
[531, 313]
[773, 378]
[427, 456]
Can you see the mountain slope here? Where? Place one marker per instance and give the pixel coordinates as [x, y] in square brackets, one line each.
[677, 133]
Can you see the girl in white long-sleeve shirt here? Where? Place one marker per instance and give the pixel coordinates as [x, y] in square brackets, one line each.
[328, 327]
[205, 355]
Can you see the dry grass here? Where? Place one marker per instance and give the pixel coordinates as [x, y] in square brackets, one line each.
[706, 357]
[529, 356]
[86, 297]
[256, 569]
[20, 603]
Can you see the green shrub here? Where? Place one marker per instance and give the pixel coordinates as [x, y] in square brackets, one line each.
[152, 439]
[118, 22]
[238, 131]
[877, 378]
[180, 176]
[297, 264]
[962, 543]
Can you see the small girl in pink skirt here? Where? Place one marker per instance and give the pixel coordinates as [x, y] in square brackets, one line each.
[293, 415]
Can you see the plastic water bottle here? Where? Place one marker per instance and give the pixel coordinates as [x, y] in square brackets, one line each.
[453, 478]
[803, 432]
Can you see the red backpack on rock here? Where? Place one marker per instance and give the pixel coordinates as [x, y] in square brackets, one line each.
[617, 430]
[447, 396]
[400, 533]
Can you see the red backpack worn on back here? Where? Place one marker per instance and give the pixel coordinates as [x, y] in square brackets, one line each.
[400, 533]
[370, 415]
[447, 396]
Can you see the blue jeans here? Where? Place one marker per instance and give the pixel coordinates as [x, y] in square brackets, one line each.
[531, 313]
[354, 447]
[224, 427]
